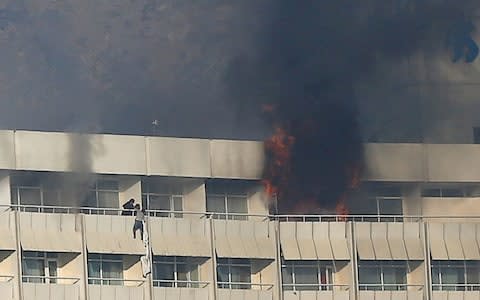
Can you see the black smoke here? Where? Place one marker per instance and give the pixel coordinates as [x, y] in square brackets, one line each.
[306, 67]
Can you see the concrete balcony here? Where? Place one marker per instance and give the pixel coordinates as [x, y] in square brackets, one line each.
[126, 290]
[6, 287]
[316, 295]
[34, 291]
[457, 295]
[233, 294]
[417, 294]
[188, 291]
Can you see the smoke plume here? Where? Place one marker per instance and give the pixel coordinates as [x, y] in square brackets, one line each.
[309, 62]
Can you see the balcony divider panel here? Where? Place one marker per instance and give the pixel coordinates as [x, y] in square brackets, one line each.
[305, 241]
[7, 231]
[181, 237]
[288, 240]
[469, 244]
[112, 234]
[50, 232]
[452, 241]
[412, 236]
[364, 240]
[438, 248]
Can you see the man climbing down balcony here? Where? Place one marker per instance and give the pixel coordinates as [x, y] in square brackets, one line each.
[139, 219]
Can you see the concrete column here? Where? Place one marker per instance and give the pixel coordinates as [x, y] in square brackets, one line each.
[81, 219]
[354, 290]
[278, 262]
[18, 256]
[213, 287]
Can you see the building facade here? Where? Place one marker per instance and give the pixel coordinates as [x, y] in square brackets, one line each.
[413, 232]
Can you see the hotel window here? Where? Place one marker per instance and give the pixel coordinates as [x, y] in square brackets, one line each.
[103, 194]
[307, 276]
[39, 267]
[444, 192]
[175, 271]
[476, 135]
[228, 199]
[26, 190]
[234, 273]
[455, 275]
[105, 269]
[165, 199]
[382, 275]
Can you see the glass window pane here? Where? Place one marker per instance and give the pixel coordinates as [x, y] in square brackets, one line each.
[307, 277]
[30, 196]
[431, 193]
[287, 277]
[240, 274]
[390, 206]
[112, 269]
[237, 204]
[222, 276]
[33, 267]
[109, 185]
[51, 198]
[91, 199]
[369, 277]
[177, 203]
[14, 195]
[108, 199]
[52, 271]
[165, 272]
[159, 202]
[93, 269]
[451, 277]
[216, 204]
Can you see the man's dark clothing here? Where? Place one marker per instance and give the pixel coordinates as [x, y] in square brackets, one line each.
[127, 209]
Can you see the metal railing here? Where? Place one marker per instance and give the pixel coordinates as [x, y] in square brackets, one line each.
[390, 287]
[315, 287]
[245, 286]
[6, 278]
[456, 287]
[50, 279]
[235, 216]
[116, 281]
[180, 283]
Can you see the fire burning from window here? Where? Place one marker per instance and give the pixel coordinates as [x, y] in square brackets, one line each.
[283, 179]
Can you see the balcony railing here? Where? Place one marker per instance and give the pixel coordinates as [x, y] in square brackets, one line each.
[390, 287]
[50, 279]
[456, 287]
[180, 283]
[245, 286]
[234, 216]
[116, 281]
[315, 287]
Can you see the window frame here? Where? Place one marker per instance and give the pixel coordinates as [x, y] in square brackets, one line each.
[381, 267]
[231, 264]
[225, 214]
[461, 265]
[45, 258]
[101, 259]
[96, 190]
[322, 268]
[176, 261]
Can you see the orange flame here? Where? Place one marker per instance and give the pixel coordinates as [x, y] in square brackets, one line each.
[279, 147]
